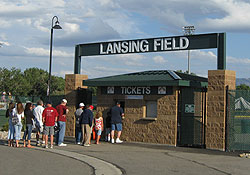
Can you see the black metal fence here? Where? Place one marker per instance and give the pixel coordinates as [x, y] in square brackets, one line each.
[238, 120]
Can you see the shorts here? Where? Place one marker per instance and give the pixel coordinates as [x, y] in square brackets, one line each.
[39, 128]
[98, 132]
[117, 127]
[49, 130]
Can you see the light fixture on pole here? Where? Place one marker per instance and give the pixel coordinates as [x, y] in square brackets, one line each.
[188, 30]
[56, 26]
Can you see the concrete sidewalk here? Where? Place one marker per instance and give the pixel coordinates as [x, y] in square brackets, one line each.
[140, 158]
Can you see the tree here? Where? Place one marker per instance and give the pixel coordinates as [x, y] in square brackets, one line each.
[37, 80]
[242, 87]
[13, 81]
[31, 82]
[186, 72]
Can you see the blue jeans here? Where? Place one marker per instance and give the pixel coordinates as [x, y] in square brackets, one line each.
[78, 134]
[61, 132]
[27, 132]
[11, 131]
[18, 128]
[117, 127]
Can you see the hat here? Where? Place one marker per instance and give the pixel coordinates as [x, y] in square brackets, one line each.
[49, 102]
[91, 107]
[64, 100]
[81, 105]
[118, 103]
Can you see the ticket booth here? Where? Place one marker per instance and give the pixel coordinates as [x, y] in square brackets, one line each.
[162, 106]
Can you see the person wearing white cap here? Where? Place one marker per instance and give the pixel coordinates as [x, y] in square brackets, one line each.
[62, 112]
[78, 130]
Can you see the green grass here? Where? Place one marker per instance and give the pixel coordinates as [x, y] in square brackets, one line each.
[3, 119]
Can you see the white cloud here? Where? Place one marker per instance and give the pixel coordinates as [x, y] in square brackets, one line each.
[236, 12]
[159, 60]
[4, 43]
[103, 71]
[71, 28]
[45, 52]
[233, 60]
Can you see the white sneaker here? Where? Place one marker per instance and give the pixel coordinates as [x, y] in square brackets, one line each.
[46, 146]
[51, 146]
[108, 139]
[78, 143]
[112, 140]
[87, 145]
[62, 144]
[118, 140]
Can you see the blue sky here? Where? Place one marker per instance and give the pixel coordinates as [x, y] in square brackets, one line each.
[25, 33]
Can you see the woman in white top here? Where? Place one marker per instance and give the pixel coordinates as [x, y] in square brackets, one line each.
[19, 112]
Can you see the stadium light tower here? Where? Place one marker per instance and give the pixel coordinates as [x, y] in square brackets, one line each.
[188, 30]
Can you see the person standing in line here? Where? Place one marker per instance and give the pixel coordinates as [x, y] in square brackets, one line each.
[37, 112]
[11, 127]
[62, 112]
[116, 122]
[98, 126]
[50, 115]
[29, 117]
[19, 112]
[108, 126]
[78, 131]
[86, 123]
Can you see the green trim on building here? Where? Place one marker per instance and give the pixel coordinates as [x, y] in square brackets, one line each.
[149, 78]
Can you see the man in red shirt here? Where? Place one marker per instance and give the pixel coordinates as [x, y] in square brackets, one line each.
[49, 118]
[62, 111]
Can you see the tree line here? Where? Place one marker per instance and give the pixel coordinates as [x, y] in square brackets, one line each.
[30, 82]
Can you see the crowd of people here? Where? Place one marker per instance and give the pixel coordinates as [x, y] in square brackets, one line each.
[38, 118]
[49, 121]
[87, 124]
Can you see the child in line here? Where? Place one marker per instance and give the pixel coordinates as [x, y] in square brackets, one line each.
[98, 126]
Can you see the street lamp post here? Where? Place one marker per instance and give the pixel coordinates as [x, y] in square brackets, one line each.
[188, 30]
[56, 26]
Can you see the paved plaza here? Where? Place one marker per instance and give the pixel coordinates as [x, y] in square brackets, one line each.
[126, 158]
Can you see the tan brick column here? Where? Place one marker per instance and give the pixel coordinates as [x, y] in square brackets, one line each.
[216, 107]
[72, 83]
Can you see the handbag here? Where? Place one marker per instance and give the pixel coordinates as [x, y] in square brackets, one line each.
[14, 120]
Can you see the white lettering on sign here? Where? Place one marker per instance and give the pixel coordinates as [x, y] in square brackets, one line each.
[163, 44]
[125, 47]
[159, 44]
[135, 90]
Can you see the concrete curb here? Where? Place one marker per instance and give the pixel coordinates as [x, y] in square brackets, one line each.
[100, 167]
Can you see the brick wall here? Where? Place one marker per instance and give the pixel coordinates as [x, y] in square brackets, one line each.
[72, 83]
[135, 127]
[216, 107]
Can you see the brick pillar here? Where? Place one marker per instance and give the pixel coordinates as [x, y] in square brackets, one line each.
[216, 107]
[72, 83]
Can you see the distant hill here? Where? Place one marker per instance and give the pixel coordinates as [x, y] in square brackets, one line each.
[240, 81]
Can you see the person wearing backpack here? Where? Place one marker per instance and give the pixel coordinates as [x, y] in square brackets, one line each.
[78, 131]
[18, 113]
[11, 127]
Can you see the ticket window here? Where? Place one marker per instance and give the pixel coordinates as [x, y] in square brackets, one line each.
[151, 109]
